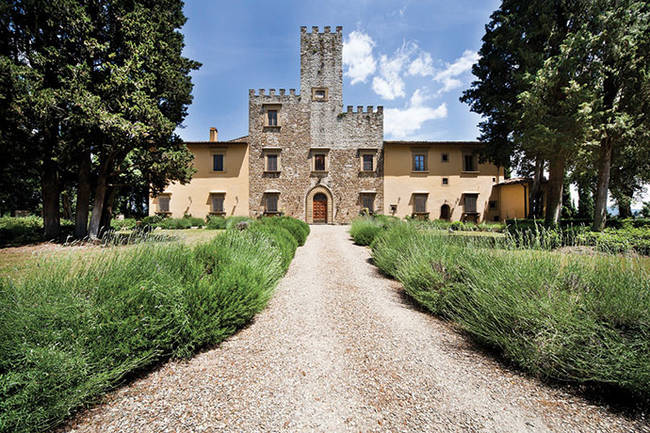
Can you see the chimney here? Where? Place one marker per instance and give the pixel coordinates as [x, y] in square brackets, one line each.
[214, 134]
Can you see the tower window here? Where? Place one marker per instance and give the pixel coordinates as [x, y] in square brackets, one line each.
[319, 162]
[272, 117]
[319, 94]
[445, 181]
[445, 157]
[271, 203]
[368, 162]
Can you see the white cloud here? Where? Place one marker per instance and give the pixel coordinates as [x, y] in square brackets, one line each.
[389, 84]
[401, 123]
[449, 76]
[422, 65]
[357, 56]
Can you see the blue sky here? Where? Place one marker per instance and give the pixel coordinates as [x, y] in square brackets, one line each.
[412, 57]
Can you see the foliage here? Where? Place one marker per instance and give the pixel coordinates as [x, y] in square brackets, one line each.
[298, 229]
[231, 222]
[124, 224]
[70, 330]
[186, 222]
[568, 318]
[15, 231]
[364, 229]
[645, 210]
[215, 222]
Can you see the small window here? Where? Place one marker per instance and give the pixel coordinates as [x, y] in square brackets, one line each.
[319, 162]
[217, 203]
[492, 204]
[469, 162]
[163, 203]
[272, 117]
[368, 202]
[368, 161]
[272, 162]
[445, 181]
[217, 162]
[319, 94]
[419, 162]
[470, 203]
[420, 203]
[271, 203]
[445, 157]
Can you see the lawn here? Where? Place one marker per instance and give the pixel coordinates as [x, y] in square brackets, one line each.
[16, 260]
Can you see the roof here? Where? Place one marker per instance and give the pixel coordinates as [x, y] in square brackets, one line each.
[242, 138]
[518, 181]
[216, 143]
[429, 143]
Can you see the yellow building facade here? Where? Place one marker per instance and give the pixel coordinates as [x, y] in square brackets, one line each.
[306, 157]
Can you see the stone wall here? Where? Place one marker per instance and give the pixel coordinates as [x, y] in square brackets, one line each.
[308, 124]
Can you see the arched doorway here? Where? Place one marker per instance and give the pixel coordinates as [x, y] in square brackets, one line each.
[319, 210]
[319, 205]
[445, 212]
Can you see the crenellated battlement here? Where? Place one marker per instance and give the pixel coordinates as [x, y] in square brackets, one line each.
[369, 110]
[326, 29]
[272, 95]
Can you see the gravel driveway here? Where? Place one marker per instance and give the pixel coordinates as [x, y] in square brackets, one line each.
[340, 349]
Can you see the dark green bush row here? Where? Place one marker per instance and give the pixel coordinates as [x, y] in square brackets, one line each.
[298, 229]
[70, 331]
[16, 231]
[569, 318]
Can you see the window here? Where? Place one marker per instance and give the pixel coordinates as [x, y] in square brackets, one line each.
[217, 162]
[445, 157]
[368, 202]
[492, 204]
[419, 162]
[217, 203]
[368, 161]
[420, 203]
[272, 118]
[445, 181]
[271, 203]
[319, 162]
[272, 162]
[163, 204]
[319, 93]
[469, 162]
[470, 203]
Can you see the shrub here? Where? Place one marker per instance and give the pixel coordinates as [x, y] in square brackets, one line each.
[231, 222]
[364, 229]
[215, 222]
[20, 230]
[124, 224]
[70, 331]
[561, 317]
[298, 229]
[151, 220]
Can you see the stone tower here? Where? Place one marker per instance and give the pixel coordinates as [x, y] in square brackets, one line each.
[321, 80]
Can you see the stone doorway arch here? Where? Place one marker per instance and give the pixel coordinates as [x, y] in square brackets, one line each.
[319, 192]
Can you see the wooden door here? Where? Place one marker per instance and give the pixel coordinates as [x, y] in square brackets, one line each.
[320, 208]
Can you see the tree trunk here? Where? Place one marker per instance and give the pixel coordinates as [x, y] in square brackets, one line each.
[604, 167]
[535, 205]
[624, 207]
[83, 197]
[107, 211]
[50, 193]
[66, 204]
[555, 184]
[100, 198]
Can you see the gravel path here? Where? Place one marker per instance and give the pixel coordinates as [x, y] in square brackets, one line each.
[340, 349]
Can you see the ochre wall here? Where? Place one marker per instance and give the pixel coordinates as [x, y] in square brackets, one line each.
[400, 182]
[512, 199]
[193, 198]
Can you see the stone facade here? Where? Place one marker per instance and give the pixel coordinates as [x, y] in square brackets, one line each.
[310, 124]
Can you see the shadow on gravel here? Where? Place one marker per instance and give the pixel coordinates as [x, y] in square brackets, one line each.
[635, 408]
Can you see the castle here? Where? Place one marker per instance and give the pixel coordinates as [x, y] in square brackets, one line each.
[306, 157]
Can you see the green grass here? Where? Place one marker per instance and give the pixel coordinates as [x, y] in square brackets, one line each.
[73, 329]
[583, 319]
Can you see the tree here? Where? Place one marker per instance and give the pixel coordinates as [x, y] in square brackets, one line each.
[645, 210]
